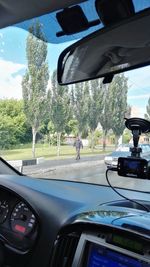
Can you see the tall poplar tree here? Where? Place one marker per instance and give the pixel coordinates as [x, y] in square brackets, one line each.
[81, 97]
[35, 80]
[95, 106]
[119, 107]
[60, 108]
[106, 114]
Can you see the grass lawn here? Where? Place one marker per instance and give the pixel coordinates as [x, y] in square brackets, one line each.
[46, 152]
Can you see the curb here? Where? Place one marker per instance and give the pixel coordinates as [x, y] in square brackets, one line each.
[27, 162]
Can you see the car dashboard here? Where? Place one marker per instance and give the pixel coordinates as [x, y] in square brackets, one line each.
[59, 223]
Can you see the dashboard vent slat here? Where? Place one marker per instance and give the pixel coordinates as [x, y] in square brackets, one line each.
[64, 250]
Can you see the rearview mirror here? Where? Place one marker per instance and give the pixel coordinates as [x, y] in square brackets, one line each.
[111, 50]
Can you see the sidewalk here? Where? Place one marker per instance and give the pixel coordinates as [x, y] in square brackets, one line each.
[64, 164]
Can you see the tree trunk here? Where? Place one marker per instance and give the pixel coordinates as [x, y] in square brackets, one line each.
[49, 141]
[104, 139]
[116, 141]
[34, 132]
[92, 141]
[58, 144]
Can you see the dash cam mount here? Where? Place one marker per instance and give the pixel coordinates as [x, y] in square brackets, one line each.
[137, 126]
[135, 166]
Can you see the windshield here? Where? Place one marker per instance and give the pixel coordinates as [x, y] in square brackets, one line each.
[64, 132]
[123, 147]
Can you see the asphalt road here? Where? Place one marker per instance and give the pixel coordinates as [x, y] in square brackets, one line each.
[61, 162]
[88, 169]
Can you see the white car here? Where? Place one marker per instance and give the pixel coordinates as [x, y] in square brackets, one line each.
[123, 150]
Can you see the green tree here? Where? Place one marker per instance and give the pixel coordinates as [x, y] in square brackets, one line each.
[35, 80]
[106, 114]
[126, 136]
[95, 138]
[51, 133]
[80, 96]
[72, 127]
[13, 126]
[95, 106]
[60, 108]
[119, 90]
[147, 115]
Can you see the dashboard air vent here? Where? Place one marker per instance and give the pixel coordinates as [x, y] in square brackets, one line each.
[64, 250]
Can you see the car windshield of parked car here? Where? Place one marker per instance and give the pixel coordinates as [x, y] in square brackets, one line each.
[64, 132]
[124, 147]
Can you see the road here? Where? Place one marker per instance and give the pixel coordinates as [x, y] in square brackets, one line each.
[88, 169]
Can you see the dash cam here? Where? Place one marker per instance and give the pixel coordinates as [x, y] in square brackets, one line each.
[135, 166]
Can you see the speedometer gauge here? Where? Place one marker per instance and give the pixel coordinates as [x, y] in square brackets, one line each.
[22, 219]
[4, 209]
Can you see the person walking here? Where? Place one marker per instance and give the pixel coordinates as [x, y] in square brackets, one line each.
[78, 145]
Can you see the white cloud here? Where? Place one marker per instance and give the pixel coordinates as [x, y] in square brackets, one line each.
[10, 81]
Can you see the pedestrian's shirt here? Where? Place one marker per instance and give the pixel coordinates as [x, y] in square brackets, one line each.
[78, 144]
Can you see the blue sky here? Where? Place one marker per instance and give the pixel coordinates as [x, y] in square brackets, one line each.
[13, 65]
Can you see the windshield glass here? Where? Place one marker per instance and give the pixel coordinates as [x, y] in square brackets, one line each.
[123, 147]
[68, 132]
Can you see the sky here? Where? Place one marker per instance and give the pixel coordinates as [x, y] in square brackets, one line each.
[13, 65]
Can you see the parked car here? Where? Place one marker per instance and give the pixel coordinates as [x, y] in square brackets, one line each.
[123, 150]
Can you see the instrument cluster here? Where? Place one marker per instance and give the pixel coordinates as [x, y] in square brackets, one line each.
[18, 223]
